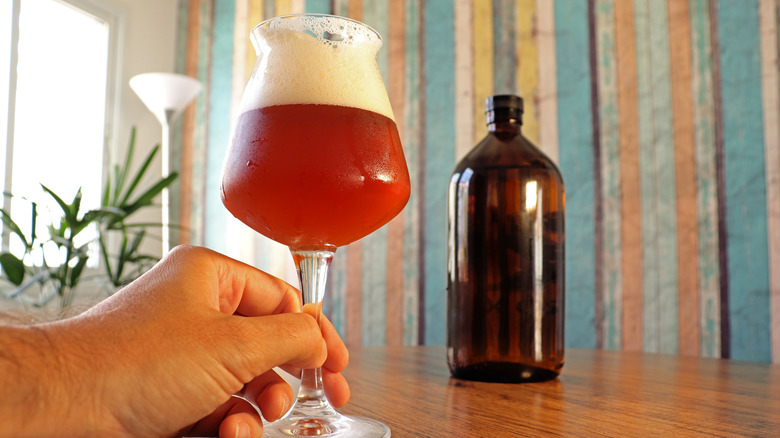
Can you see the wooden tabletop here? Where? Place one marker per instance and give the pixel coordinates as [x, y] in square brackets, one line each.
[599, 393]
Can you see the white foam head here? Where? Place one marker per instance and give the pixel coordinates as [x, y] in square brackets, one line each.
[316, 59]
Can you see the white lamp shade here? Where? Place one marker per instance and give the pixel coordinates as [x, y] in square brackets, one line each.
[165, 94]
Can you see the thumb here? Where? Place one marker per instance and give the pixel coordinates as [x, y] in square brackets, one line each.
[257, 344]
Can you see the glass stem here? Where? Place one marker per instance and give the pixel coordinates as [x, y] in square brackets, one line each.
[312, 266]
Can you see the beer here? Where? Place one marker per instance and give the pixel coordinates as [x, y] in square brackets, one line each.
[306, 175]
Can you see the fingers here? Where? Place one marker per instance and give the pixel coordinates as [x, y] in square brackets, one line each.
[265, 342]
[252, 292]
[271, 394]
[233, 416]
[241, 423]
[229, 285]
[338, 355]
[336, 388]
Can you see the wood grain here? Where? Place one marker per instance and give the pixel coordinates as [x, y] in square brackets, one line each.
[599, 393]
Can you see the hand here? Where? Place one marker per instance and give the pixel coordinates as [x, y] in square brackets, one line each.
[164, 355]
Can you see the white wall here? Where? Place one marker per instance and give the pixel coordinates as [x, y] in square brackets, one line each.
[148, 45]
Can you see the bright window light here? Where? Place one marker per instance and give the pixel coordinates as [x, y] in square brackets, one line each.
[60, 109]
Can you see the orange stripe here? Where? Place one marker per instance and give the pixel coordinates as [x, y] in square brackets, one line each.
[188, 126]
[396, 46]
[355, 9]
[685, 178]
[631, 215]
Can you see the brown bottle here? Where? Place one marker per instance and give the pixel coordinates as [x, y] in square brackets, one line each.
[505, 283]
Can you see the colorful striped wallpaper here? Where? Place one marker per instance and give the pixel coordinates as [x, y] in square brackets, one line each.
[663, 115]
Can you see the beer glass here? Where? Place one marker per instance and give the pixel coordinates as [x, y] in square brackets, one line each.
[316, 162]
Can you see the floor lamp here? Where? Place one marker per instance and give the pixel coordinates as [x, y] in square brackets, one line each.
[166, 95]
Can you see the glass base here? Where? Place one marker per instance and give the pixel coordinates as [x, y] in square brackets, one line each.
[333, 425]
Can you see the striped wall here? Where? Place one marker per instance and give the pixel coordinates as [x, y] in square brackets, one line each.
[663, 115]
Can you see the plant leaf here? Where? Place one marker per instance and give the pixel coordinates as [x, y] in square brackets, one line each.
[137, 238]
[121, 173]
[120, 262]
[146, 199]
[66, 209]
[13, 268]
[106, 192]
[75, 206]
[139, 175]
[8, 222]
[33, 225]
[75, 273]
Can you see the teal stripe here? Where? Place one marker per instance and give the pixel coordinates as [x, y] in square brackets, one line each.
[610, 175]
[412, 146]
[504, 56]
[317, 6]
[269, 9]
[334, 304]
[575, 139]
[745, 180]
[657, 179]
[706, 177]
[220, 93]
[666, 202]
[439, 40]
[650, 308]
[374, 288]
[374, 278]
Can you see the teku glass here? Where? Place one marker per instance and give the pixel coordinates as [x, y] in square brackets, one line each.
[316, 162]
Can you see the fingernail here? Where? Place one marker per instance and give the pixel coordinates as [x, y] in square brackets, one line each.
[243, 431]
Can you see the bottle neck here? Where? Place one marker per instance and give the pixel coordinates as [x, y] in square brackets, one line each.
[508, 128]
[504, 120]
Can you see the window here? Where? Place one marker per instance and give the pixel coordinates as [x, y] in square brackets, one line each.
[56, 89]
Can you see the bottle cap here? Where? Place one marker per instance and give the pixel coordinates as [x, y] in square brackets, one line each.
[504, 108]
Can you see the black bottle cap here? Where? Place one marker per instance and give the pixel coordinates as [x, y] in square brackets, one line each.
[504, 108]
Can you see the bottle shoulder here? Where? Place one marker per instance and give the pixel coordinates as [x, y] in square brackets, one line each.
[508, 151]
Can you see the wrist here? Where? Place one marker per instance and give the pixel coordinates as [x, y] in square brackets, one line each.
[38, 397]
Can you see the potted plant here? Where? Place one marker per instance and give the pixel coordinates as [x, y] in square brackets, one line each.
[50, 265]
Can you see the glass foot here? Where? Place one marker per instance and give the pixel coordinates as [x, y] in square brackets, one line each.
[333, 425]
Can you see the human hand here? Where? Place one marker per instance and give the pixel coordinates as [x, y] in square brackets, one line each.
[164, 355]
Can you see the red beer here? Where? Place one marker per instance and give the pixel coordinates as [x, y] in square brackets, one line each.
[310, 175]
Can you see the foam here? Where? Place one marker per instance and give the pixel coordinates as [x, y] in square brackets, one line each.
[301, 62]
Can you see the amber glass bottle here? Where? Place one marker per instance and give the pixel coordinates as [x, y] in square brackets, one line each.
[505, 283]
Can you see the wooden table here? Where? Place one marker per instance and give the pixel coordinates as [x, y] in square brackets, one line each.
[599, 393]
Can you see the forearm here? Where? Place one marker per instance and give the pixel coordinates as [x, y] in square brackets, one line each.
[36, 397]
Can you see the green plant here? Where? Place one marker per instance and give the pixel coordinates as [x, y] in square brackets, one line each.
[60, 277]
